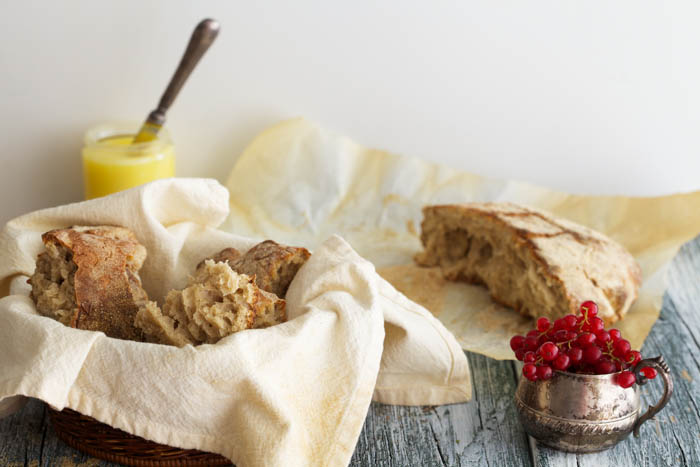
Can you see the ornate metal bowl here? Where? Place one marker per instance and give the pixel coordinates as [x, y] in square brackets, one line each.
[586, 413]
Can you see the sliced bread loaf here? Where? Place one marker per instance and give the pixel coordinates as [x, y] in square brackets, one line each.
[528, 259]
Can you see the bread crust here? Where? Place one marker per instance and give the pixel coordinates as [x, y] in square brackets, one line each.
[227, 255]
[573, 262]
[106, 283]
[273, 265]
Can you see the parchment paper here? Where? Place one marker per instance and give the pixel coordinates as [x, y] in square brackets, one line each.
[299, 183]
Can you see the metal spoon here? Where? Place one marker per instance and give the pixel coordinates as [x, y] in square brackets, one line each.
[202, 37]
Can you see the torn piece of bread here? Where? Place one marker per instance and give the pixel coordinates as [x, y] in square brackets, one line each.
[273, 265]
[88, 278]
[529, 260]
[217, 302]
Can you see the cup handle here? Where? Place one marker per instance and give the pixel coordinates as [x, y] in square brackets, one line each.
[660, 364]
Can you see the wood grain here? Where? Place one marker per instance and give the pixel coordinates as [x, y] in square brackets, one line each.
[485, 431]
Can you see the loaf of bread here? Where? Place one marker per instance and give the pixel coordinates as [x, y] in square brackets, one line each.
[88, 278]
[528, 259]
[216, 303]
[273, 265]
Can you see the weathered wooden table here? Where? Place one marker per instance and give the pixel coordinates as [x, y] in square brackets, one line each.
[485, 431]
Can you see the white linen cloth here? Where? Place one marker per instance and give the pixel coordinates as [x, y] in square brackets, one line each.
[292, 394]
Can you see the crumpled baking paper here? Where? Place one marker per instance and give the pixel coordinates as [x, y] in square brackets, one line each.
[300, 183]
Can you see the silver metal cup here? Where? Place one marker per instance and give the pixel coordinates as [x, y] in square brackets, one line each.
[586, 413]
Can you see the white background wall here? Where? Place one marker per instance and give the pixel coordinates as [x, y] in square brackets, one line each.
[594, 96]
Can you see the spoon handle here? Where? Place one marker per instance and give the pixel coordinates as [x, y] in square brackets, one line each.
[202, 37]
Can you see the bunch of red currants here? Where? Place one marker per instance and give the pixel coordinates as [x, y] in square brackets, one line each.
[578, 344]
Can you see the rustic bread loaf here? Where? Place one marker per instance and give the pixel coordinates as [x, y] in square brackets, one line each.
[217, 302]
[88, 278]
[273, 265]
[528, 259]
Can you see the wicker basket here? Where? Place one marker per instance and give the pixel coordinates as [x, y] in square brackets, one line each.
[102, 441]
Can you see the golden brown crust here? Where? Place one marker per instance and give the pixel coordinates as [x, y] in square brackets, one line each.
[227, 255]
[106, 282]
[573, 263]
[273, 265]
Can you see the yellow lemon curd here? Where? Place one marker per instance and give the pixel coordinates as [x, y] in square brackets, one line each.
[111, 163]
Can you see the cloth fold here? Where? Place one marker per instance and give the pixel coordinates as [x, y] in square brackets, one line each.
[292, 394]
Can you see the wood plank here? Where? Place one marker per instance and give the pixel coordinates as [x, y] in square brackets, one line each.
[22, 436]
[28, 439]
[499, 439]
[394, 435]
[484, 431]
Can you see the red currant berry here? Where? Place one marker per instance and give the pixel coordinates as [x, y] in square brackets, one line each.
[632, 358]
[575, 355]
[520, 353]
[530, 343]
[602, 338]
[586, 339]
[569, 322]
[649, 372]
[516, 342]
[533, 333]
[561, 335]
[621, 347]
[548, 351]
[615, 334]
[562, 362]
[542, 324]
[529, 357]
[544, 372]
[559, 324]
[589, 308]
[597, 325]
[530, 371]
[592, 354]
[625, 379]
[604, 367]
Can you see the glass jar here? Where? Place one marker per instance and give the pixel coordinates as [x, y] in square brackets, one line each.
[111, 163]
